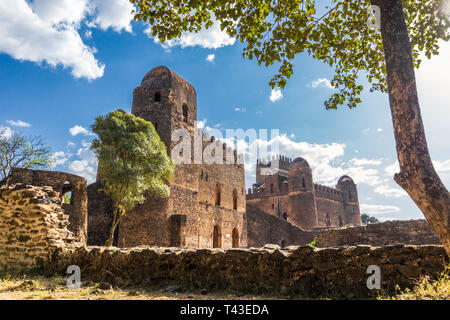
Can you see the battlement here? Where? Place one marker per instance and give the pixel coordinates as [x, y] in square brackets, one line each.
[328, 192]
[229, 154]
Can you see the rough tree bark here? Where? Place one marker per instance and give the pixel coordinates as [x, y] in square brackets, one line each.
[417, 175]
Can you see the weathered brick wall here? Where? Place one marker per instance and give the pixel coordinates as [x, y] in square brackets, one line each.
[32, 225]
[264, 228]
[306, 271]
[378, 234]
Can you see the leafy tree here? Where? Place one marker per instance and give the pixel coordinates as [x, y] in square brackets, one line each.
[365, 218]
[276, 31]
[19, 151]
[132, 161]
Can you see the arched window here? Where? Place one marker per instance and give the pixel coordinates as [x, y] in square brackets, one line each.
[283, 243]
[285, 216]
[66, 193]
[271, 188]
[185, 113]
[328, 220]
[157, 96]
[156, 127]
[235, 238]
[303, 183]
[217, 237]
[218, 194]
[341, 223]
[273, 206]
[235, 196]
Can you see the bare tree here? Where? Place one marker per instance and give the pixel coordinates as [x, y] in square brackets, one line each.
[19, 151]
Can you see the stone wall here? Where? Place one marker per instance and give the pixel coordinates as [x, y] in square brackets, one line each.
[264, 228]
[32, 225]
[378, 234]
[299, 271]
[61, 183]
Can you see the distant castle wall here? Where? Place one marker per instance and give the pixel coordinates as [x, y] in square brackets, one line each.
[416, 232]
[264, 228]
[289, 192]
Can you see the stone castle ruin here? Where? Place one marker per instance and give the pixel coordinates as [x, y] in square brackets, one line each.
[209, 208]
[291, 194]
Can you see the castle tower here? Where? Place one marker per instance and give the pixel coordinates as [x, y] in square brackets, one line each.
[167, 101]
[351, 205]
[302, 202]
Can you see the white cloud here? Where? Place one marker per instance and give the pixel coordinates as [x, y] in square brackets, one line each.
[211, 38]
[57, 11]
[375, 209]
[322, 82]
[115, 14]
[365, 131]
[19, 123]
[24, 35]
[76, 130]
[5, 132]
[86, 165]
[441, 166]
[59, 158]
[276, 95]
[390, 192]
[237, 109]
[392, 169]
[380, 130]
[211, 57]
[365, 162]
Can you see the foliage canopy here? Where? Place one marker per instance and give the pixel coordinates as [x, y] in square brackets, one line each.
[275, 31]
[132, 159]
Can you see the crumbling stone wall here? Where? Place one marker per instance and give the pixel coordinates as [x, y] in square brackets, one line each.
[378, 234]
[61, 183]
[305, 271]
[32, 225]
[264, 228]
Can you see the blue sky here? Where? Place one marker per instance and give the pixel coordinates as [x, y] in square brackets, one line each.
[63, 62]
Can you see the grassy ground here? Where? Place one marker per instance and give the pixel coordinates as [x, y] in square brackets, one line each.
[428, 290]
[25, 287]
[41, 288]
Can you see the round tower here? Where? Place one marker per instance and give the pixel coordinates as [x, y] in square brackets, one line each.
[351, 205]
[302, 202]
[166, 100]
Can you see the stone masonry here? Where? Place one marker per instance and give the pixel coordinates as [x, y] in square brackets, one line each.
[379, 234]
[304, 271]
[285, 188]
[32, 225]
[206, 206]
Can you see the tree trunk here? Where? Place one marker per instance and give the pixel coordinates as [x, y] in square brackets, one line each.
[417, 175]
[115, 222]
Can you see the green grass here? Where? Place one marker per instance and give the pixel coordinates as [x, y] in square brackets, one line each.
[427, 289]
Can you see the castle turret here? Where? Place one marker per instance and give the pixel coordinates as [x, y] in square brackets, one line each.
[302, 202]
[166, 100]
[351, 205]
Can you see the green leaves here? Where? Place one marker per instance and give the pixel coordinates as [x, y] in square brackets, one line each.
[276, 31]
[132, 159]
